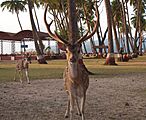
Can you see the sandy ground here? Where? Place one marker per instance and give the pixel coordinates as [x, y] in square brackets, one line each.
[119, 98]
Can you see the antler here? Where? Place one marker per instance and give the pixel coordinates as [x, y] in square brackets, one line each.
[82, 38]
[54, 36]
[86, 36]
[58, 38]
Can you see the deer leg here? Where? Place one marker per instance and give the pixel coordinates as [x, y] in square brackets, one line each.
[82, 106]
[78, 108]
[15, 75]
[20, 76]
[68, 108]
[27, 77]
[72, 100]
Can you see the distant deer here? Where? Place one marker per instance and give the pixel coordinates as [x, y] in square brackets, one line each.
[75, 76]
[22, 67]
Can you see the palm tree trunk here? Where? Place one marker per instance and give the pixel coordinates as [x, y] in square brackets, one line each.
[100, 43]
[36, 19]
[103, 38]
[116, 37]
[130, 40]
[140, 34]
[110, 59]
[20, 28]
[137, 27]
[73, 28]
[40, 41]
[140, 43]
[99, 35]
[19, 21]
[119, 56]
[125, 28]
[40, 56]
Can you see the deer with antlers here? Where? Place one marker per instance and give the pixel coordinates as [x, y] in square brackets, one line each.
[75, 76]
[22, 67]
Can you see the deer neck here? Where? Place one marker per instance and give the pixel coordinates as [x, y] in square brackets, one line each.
[73, 69]
[25, 64]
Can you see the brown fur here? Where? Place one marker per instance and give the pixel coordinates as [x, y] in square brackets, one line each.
[22, 67]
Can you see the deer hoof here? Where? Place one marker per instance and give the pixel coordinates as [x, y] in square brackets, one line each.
[66, 116]
[79, 114]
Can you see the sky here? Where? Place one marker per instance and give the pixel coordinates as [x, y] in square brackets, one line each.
[9, 23]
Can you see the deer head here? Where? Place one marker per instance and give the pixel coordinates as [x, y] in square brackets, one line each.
[27, 58]
[72, 49]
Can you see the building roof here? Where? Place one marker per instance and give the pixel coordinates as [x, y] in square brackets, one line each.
[22, 35]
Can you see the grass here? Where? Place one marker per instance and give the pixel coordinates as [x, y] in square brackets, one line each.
[54, 69]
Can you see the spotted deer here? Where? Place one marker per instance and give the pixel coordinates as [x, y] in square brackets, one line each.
[75, 76]
[22, 67]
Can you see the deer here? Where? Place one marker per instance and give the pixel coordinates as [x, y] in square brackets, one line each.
[76, 78]
[22, 67]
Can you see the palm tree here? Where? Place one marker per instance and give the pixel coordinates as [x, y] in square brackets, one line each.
[15, 6]
[40, 55]
[73, 27]
[125, 28]
[138, 23]
[129, 26]
[37, 3]
[88, 7]
[116, 9]
[110, 59]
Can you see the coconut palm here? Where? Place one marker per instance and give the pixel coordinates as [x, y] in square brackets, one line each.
[37, 3]
[116, 9]
[40, 55]
[110, 59]
[125, 28]
[129, 26]
[14, 6]
[142, 28]
[88, 8]
[137, 21]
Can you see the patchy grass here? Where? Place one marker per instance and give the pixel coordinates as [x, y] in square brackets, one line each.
[54, 69]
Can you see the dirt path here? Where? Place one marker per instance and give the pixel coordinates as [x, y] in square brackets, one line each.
[119, 98]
